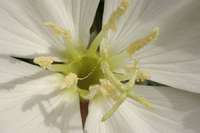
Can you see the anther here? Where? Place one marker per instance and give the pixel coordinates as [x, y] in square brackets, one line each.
[110, 25]
[57, 30]
[67, 36]
[70, 81]
[140, 43]
[107, 88]
[43, 61]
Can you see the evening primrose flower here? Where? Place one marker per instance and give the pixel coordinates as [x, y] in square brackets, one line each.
[140, 40]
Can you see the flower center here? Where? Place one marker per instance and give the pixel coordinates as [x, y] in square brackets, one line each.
[93, 72]
[89, 72]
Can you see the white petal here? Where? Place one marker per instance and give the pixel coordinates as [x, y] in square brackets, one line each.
[173, 59]
[174, 111]
[21, 29]
[23, 33]
[74, 15]
[13, 71]
[179, 75]
[141, 17]
[118, 123]
[39, 106]
[83, 15]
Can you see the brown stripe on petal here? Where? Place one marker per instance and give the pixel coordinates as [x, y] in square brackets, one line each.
[84, 110]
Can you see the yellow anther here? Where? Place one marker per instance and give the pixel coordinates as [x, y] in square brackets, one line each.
[43, 61]
[55, 28]
[59, 31]
[70, 81]
[142, 76]
[111, 24]
[138, 44]
[135, 71]
[122, 8]
[67, 36]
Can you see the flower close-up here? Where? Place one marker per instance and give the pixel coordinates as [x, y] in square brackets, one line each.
[99, 66]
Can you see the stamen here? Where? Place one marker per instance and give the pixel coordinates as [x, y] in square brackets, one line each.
[70, 81]
[114, 108]
[142, 76]
[43, 61]
[67, 36]
[124, 90]
[137, 45]
[59, 31]
[108, 89]
[109, 74]
[138, 74]
[111, 24]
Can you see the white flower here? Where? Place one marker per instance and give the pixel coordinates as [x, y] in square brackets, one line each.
[140, 40]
